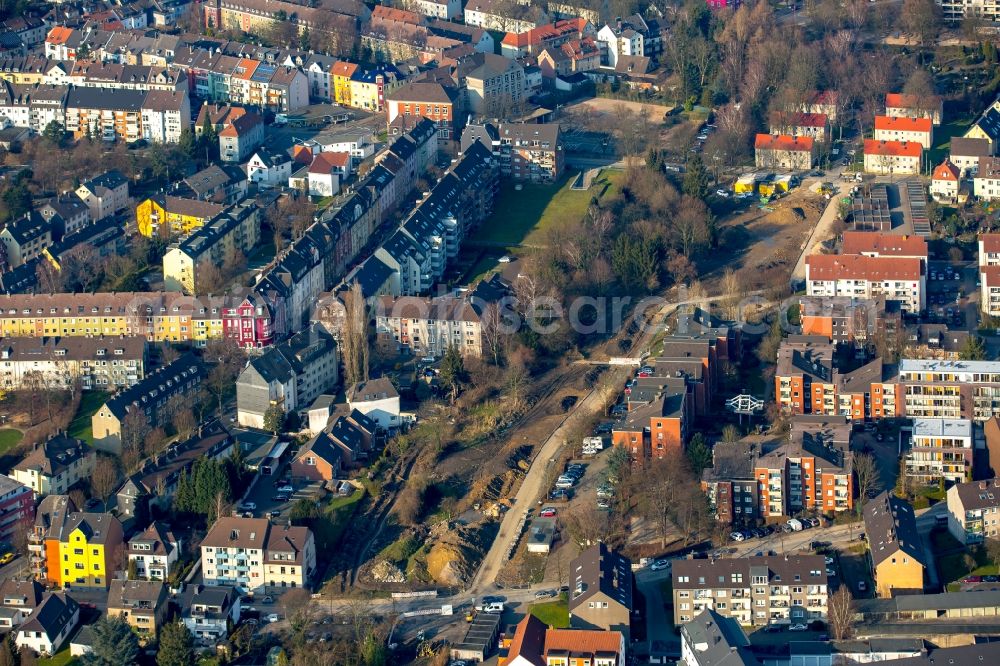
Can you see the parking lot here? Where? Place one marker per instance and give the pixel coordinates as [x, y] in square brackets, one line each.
[273, 496]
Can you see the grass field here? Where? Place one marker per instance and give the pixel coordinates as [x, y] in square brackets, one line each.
[9, 438]
[942, 138]
[553, 613]
[89, 404]
[525, 215]
[63, 658]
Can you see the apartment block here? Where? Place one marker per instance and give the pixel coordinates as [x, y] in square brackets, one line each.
[890, 157]
[55, 465]
[96, 363]
[256, 556]
[940, 450]
[900, 279]
[105, 195]
[803, 379]
[986, 183]
[783, 151]
[846, 320]
[974, 511]
[901, 105]
[531, 152]
[731, 483]
[894, 545]
[234, 232]
[815, 125]
[658, 429]
[172, 215]
[950, 389]
[17, 507]
[989, 273]
[756, 591]
[905, 129]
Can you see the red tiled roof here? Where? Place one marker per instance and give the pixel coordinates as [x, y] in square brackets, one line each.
[529, 641]
[829, 267]
[991, 242]
[59, 35]
[903, 101]
[897, 148]
[824, 97]
[799, 119]
[327, 161]
[543, 32]
[783, 142]
[946, 171]
[384, 13]
[342, 68]
[302, 154]
[884, 245]
[990, 275]
[903, 124]
[587, 641]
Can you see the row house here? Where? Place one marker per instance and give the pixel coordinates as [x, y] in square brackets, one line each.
[782, 151]
[149, 398]
[114, 76]
[974, 511]
[480, 40]
[905, 129]
[93, 363]
[900, 279]
[886, 158]
[941, 450]
[55, 466]
[815, 125]
[32, 69]
[267, 86]
[901, 105]
[532, 42]
[71, 211]
[290, 376]
[249, 321]
[813, 471]
[256, 556]
[756, 591]
[986, 183]
[234, 232]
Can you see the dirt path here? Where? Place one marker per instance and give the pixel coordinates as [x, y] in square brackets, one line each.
[821, 232]
[609, 105]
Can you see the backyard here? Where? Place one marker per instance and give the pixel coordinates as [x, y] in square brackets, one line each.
[553, 613]
[89, 404]
[9, 438]
[955, 563]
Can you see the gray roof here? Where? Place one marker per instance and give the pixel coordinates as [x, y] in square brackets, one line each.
[160, 381]
[704, 574]
[600, 569]
[964, 147]
[967, 655]
[717, 641]
[373, 389]
[891, 528]
[978, 494]
[51, 617]
[115, 99]
[731, 461]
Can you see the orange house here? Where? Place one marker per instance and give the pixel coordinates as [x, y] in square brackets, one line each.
[658, 429]
[319, 460]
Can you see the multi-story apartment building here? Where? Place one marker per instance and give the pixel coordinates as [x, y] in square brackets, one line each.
[940, 450]
[104, 195]
[50, 517]
[658, 428]
[165, 116]
[87, 552]
[782, 151]
[847, 320]
[531, 152]
[534, 642]
[179, 215]
[154, 552]
[710, 639]
[253, 555]
[731, 485]
[900, 279]
[954, 11]
[950, 389]
[491, 15]
[974, 511]
[895, 546]
[290, 375]
[880, 244]
[532, 42]
[149, 398]
[989, 273]
[945, 182]
[439, 103]
[901, 105]
[234, 232]
[97, 363]
[756, 591]
[905, 129]
[892, 157]
[26, 238]
[55, 465]
[495, 85]
[428, 326]
[795, 123]
[17, 507]
[804, 378]
[601, 591]
[986, 183]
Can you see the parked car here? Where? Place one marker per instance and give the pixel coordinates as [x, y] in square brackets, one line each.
[286, 489]
[722, 193]
[862, 586]
[737, 536]
[506, 259]
[545, 594]
[829, 561]
[249, 506]
[273, 617]
[831, 573]
[816, 545]
[797, 627]
[603, 504]
[659, 565]
[565, 482]
[972, 579]
[548, 512]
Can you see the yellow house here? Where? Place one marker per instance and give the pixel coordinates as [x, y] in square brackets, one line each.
[141, 603]
[180, 216]
[341, 72]
[91, 548]
[894, 546]
[369, 88]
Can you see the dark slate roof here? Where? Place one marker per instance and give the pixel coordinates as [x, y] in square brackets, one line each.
[105, 98]
[891, 527]
[28, 227]
[180, 370]
[600, 569]
[718, 641]
[54, 613]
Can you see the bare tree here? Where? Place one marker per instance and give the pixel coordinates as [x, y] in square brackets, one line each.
[840, 614]
[493, 335]
[354, 338]
[866, 471]
[134, 429]
[105, 478]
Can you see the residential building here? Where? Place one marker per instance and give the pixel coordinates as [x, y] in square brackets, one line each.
[731, 484]
[143, 604]
[896, 550]
[950, 389]
[442, 104]
[233, 233]
[601, 591]
[55, 465]
[892, 157]
[914, 106]
[846, 319]
[96, 363]
[532, 152]
[25, 238]
[532, 42]
[573, 57]
[711, 639]
[209, 611]
[986, 183]
[987, 127]
[370, 87]
[658, 428]
[905, 129]
[781, 151]
[447, 10]
[105, 195]
[945, 182]
[628, 38]
[49, 627]
[224, 184]
[534, 643]
[804, 375]
[353, 435]
[154, 552]
[289, 375]
[268, 168]
[974, 511]
[254, 556]
[165, 116]
[491, 15]
[179, 215]
[18, 600]
[87, 552]
[900, 279]
[965, 153]
[826, 102]
[755, 591]
[341, 73]
[103, 239]
[495, 85]
[319, 460]
[51, 515]
[132, 502]
[815, 125]
[17, 508]
[378, 400]
[71, 211]
[148, 398]
[422, 326]
[240, 138]
[941, 450]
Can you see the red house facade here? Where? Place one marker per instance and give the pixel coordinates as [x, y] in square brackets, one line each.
[250, 323]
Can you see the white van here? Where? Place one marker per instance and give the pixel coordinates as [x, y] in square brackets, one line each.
[494, 607]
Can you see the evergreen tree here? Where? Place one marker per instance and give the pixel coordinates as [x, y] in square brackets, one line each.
[274, 419]
[187, 144]
[973, 350]
[453, 373]
[54, 133]
[176, 646]
[696, 178]
[698, 453]
[114, 643]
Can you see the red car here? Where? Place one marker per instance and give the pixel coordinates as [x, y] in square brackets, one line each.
[972, 579]
[548, 512]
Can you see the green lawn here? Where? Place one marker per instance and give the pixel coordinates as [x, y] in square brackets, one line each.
[63, 658]
[956, 564]
[942, 138]
[9, 438]
[553, 613]
[524, 216]
[89, 404]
